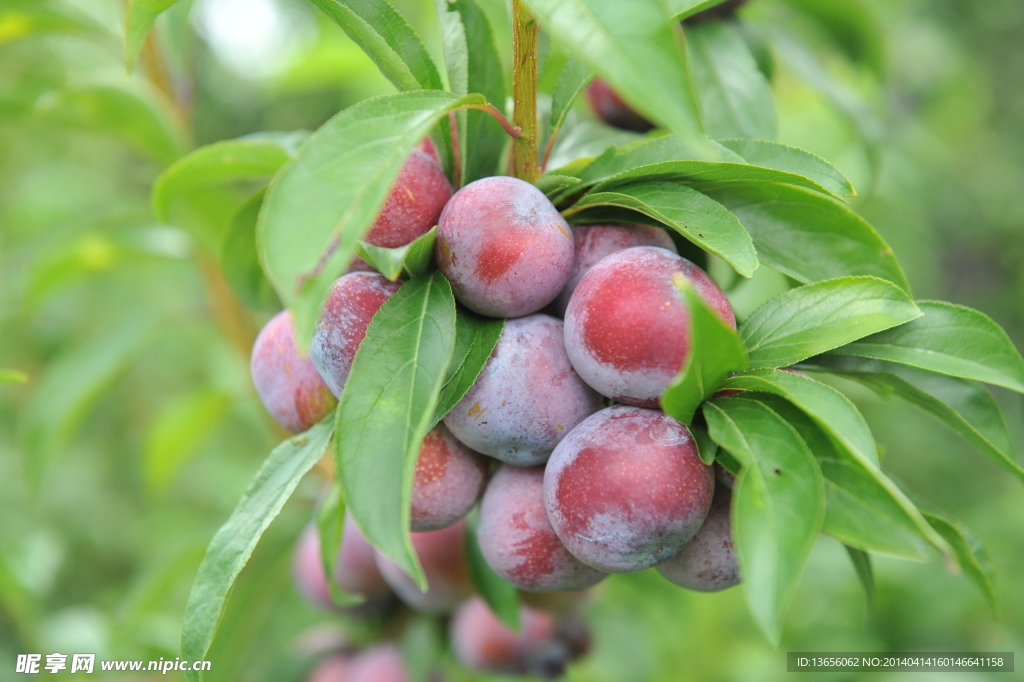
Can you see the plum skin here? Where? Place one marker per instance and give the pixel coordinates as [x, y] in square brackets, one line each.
[613, 110]
[381, 663]
[707, 563]
[287, 382]
[626, 489]
[527, 397]
[595, 242]
[504, 247]
[352, 302]
[627, 329]
[448, 481]
[482, 642]
[355, 571]
[336, 668]
[442, 555]
[414, 204]
[517, 540]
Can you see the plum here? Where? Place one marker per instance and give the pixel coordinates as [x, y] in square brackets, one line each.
[336, 668]
[517, 540]
[355, 570]
[626, 489]
[724, 476]
[449, 479]
[443, 557]
[504, 247]
[287, 382]
[527, 396]
[415, 203]
[707, 563]
[613, 110]
[352, 302]
[308, 571]
[594, 242]
[381, 663]
[627, 329]
[482, 642]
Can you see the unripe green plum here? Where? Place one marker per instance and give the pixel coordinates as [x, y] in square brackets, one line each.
[527, 396]
[627, 328]
[449, 479]
[504, 247]
[707, 563]
[517, 540]
[626, 489]
[353, 300]
[286, 381]
[442, 555]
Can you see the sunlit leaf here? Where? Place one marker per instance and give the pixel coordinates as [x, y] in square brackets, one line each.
[139, 17]
[574, 79]
[788, 159]
[177, 431]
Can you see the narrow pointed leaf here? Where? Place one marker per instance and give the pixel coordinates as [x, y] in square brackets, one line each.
[778, 504]
[949, 339]
[139, 17]
[864, 508]
[326, 198]
[812, 319]
[573, 80]
[234, 543]
[699, 219]
[736, 97]
[681, 9]
[972, 558]
[962, 405]
[862, 565]
[330, 528]
[637, 50]
[807, 235]
[552, 185]
[388, 39]
[792, 160]
[475, 339]
[387, 407]
[411, 260]
[240, 261]
[715, 351]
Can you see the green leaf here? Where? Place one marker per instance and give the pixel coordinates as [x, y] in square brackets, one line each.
[736, 97]
[699, 219]
[388, 39]
[20, 19]
[133, 115]
[636, 50]
[208, 190]
[387, 407]
[815, 318]
[139, 17]
[962, 405]
[706, 448]
[12, 376]
[778, 504]
[423, 647]
[326, 198]
[864, 508]
[241, 263]
[411, 260]
[782, 157]
[715, 351]
[501, 596]
[233, 544]
[474, 65]
[573, 80]
[330, 528]
[862, 565]
[972, 558]
[949, 339]
[853, 25]
[806, 235]
[681, 9]
[475, 339]
[553, 185]
[176, 432]
[70, 385]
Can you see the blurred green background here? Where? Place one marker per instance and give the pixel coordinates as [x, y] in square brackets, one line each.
[138, 428]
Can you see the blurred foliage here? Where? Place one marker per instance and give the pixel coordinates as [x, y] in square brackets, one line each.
[138, 430]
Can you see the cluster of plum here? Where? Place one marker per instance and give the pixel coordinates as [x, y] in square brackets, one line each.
[577, 472]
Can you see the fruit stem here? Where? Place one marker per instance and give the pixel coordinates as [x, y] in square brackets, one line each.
[524, 92]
